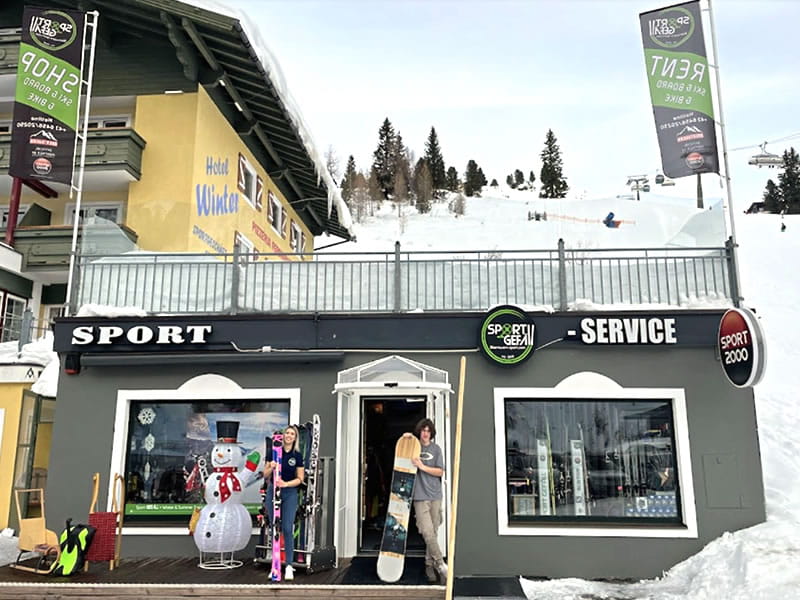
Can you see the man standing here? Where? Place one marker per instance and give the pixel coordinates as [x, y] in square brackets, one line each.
[428, 498]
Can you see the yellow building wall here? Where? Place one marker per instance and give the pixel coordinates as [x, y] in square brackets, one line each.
[11, 401]
[159, 204]
[219, 209]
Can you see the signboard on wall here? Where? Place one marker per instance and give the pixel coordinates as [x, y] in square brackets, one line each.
[507, 336]
[742, 351]
[46, 97]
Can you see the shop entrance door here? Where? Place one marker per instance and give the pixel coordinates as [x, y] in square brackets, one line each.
[384, 419]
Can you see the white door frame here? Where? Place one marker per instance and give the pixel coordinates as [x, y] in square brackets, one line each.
[348, 444]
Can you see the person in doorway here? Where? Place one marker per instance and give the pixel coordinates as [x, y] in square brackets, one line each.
[292, 474]
[428, 498]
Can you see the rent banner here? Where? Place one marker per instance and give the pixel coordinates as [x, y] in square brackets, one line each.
[680, 89]
[46, 96]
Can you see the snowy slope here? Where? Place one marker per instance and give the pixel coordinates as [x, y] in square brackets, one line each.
[757, 563]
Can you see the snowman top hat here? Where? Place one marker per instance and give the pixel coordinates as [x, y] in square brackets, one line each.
[227, 431]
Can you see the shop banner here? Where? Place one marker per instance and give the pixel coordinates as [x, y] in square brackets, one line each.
[46, 96]
[680, 90]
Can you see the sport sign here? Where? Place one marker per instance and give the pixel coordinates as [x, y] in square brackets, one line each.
[741, 347]
[506, 335]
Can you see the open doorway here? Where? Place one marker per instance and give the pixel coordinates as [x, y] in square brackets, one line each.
[384, 419]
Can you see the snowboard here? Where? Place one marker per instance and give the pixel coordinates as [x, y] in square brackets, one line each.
[275, 532]
[391, 558]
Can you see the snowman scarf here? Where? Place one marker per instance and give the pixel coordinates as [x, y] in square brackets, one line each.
[224, 485]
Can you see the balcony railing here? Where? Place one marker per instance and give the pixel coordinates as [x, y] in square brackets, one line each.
[560, 279]
[106, 150]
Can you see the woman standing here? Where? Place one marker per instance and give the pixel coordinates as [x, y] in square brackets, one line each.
[292, 474]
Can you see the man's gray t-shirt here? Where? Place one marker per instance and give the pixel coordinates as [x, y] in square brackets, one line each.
[426, 486]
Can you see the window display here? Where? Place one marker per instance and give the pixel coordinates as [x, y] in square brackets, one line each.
[591, 461]
[167, 459]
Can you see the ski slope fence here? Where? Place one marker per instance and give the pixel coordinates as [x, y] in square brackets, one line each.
[558, 279]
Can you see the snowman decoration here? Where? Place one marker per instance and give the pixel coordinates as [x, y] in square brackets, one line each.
[225, 525]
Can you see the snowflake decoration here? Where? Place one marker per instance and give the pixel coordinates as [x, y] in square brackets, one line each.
[149, 442]
[146, 416]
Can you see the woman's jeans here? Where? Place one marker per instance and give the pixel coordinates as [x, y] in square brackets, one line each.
[288, 511]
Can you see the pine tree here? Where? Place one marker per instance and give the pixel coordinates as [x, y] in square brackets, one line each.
[519, 177]
[482, 178]
[494, 183]
[453, 182]
[772, 198]
[789, 181]
[510, 181]
[349, 181]
[374, 189]
[384, 158]
[531, 178]
[433, 155]
[553, 182]
[402, 163]
[472, 181]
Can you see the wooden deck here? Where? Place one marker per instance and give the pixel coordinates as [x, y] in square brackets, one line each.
[162, 578]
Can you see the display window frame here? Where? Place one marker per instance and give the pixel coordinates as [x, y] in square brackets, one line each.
[590, 387]
[207, 387]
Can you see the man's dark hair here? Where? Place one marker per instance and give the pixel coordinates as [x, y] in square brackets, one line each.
[423, 423]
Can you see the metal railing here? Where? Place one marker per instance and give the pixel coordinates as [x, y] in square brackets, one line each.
[559, 279]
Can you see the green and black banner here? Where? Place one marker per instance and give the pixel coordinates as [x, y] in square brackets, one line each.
[46, 96]
[680, 89]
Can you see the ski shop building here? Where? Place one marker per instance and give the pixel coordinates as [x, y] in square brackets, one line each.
[585, 436]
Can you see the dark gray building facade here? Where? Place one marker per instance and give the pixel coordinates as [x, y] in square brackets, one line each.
[593, 445]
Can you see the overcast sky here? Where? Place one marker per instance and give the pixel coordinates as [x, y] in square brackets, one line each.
[493, 76]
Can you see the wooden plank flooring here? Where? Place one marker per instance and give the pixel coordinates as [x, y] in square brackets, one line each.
[181, 578]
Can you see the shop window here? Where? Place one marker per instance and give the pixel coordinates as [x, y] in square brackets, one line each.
[576, 461]
[167, 456]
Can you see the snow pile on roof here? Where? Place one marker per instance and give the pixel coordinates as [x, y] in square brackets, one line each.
[275, 74]
[37, 352]
[103, 310]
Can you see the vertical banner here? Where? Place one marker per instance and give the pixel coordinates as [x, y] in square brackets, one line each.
[680, 89]
[46, 97]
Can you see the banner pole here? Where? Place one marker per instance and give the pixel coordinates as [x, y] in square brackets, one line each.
[77, 190]
[734, 245]
[451, 541]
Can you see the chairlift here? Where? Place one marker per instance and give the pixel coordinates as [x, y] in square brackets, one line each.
[765, 159]
[659, 179]
[646, 187]
[668, 182]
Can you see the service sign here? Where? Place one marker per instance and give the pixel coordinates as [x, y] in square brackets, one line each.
[741, 347]
[506, 335]
[46, 95]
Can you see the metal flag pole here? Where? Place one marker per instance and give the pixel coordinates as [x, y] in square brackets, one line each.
[76, 190]
[735, 264]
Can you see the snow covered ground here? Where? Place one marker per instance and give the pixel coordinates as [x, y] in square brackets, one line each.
[762, 561]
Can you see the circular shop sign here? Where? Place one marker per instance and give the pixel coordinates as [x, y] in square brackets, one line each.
[506, 335]
[741, 347]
